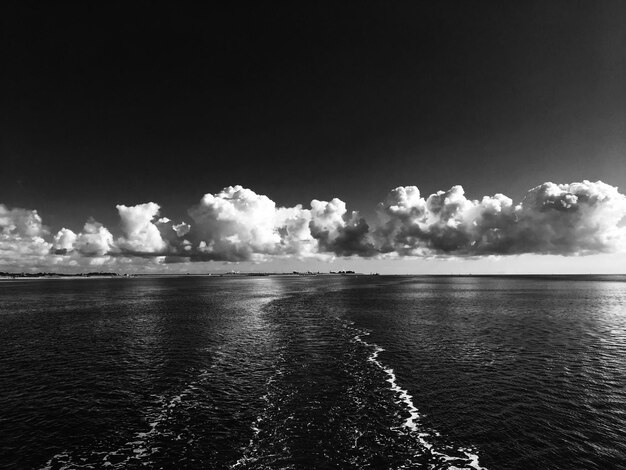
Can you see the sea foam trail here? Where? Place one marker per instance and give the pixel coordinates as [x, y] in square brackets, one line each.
[137, 450]
[248, 455]
[412, 421]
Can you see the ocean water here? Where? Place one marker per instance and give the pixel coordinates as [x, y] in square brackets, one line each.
[328, 372]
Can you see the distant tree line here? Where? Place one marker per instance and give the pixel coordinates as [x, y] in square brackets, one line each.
[43, 274]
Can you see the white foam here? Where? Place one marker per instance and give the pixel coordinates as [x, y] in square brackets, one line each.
[63, 457]
[137, 448]
[251, 448]
[139, 445]
[411, 423]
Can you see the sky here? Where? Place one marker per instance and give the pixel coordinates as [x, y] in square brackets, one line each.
[396, 137]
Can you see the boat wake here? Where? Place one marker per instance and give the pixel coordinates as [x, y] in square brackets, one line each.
[250, 453]
[467, 458]
[140, 448]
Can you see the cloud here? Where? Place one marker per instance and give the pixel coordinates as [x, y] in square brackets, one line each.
[181, 229]
[64, 241]
[22, 237]
[565, 219]
[140, 234]
[21, 222]
[237, 224]
[94, 240]
[577, 218]
[172, 235]
[339, 232]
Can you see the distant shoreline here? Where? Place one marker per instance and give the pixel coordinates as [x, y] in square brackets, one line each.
[94, 275]
[43, 275]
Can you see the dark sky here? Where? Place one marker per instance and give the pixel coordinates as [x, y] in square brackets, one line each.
[104, 105]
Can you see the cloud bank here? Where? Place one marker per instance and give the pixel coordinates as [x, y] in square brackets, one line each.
[237, 224]
[565, 219]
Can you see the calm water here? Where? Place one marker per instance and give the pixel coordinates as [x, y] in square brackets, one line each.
[313, 372]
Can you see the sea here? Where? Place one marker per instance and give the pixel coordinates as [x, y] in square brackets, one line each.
[313, 372]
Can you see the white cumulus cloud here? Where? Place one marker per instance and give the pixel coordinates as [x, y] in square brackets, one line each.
[568, 219]
[22, 237]
[237, 224]
[64, 241]
[140, 234]
[94, 240]
[339, 231]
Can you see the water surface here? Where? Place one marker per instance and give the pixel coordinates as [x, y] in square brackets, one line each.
[313, 372]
